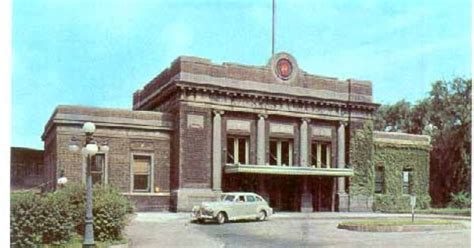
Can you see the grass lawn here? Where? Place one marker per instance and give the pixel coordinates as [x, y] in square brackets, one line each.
[396, 222]
[450, 211]
[442, 211]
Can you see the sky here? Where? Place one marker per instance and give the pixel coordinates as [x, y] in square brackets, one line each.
[97, 53]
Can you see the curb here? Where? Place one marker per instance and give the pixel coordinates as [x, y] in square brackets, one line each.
[407, 228]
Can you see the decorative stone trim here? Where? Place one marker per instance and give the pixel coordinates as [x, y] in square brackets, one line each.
[285, 61]
[281, 128]
[239, 125]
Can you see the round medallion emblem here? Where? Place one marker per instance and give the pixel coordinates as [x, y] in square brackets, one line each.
[284, 68]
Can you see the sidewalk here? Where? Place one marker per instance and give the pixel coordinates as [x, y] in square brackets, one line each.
[357, 215]
[169, 216]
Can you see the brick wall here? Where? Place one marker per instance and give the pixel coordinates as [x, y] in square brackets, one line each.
[196, 147]
[127, 133]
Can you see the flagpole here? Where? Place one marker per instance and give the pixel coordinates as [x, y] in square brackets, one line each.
[273, 27]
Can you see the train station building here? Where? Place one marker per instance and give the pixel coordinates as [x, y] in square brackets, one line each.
[199, 128]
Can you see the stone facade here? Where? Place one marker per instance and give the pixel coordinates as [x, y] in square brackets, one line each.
[209, 128]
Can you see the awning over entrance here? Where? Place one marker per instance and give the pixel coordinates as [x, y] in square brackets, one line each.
[288, 170]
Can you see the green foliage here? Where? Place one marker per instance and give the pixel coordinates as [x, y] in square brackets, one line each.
[394, 160]
[447, 211]
[399, 203]
[73, 194]
[23, 220]
[445, 115]
[35, 219]
[394, 118]
[361, 154]
[365, 156]
[55, 217]
[110, 211]
[460, 200]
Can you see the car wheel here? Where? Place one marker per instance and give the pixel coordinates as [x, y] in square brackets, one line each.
[262, 215]
[221, 218]
[201, 221]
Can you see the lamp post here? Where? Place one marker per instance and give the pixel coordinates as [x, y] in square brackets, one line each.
[89, 150]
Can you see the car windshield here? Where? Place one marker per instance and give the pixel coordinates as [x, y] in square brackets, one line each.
[228, 198]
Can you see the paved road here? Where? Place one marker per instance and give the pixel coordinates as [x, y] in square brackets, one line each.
[282, 230]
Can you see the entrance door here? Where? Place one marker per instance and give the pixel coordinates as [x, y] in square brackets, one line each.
[323, 194]
[284, 193]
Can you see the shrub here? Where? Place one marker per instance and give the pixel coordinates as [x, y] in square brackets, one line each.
[23, 220]
[74, 195]
[110, 211]
[54, 217]
[460, 200]
[37, 219]
[55, 220]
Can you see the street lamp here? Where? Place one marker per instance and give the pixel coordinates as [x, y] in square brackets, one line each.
[89, 149]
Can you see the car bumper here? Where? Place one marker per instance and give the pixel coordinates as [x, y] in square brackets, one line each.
[270, 212]
[201, 216]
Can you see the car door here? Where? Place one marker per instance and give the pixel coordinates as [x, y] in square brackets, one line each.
[239, 208]
[251, 206]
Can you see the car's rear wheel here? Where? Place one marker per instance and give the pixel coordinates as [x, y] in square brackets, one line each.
[262, 215]
[221, 218]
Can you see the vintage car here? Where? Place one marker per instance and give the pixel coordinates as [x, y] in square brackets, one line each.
[233, 206]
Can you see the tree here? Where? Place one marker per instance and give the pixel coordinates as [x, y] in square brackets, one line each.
[394, 118]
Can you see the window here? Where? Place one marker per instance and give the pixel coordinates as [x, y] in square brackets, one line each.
[407, 181]
[141, 173]
[98, 169]
[321, 154]
[250, 198]
[379, 180]
[281, 152]
[229, 198]
[238, 150]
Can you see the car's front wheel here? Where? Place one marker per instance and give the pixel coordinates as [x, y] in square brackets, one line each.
[262, 215]
[221, 218]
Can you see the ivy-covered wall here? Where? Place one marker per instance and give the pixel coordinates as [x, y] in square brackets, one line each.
[361, 155]
[393, 152]
[394, 159]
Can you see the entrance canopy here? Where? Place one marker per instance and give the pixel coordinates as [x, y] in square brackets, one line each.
[287, 170]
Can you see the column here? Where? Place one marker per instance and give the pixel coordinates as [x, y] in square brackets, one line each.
[342, 196]
[261, 139]
[217, 150]
[304, 142]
